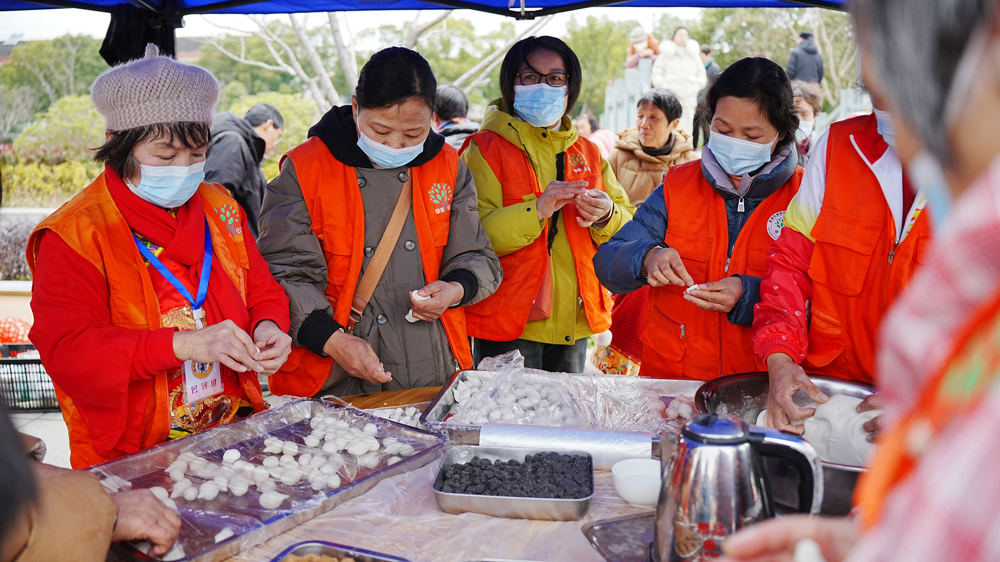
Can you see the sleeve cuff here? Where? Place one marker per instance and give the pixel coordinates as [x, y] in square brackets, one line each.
[780, 348]
[161, 350]
[529, 223]
[273, 312]
[316, 330]
[468, 281]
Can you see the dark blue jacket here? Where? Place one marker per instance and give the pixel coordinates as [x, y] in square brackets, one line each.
[618, 262]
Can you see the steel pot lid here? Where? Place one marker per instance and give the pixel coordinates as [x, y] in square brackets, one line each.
[716, 429]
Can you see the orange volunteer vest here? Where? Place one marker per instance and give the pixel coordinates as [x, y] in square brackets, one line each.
[682, 341]
[958, 387]
[503, 315]
[92, 226]
[333, 198]
[857, 269]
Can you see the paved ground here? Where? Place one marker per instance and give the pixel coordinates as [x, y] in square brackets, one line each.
[50, 428]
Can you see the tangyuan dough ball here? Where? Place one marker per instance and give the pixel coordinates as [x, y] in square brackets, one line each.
[837, 431]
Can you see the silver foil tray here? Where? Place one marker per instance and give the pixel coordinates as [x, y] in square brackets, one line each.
[337, 551]
[251, 524]
[503, 506]
[435, 415]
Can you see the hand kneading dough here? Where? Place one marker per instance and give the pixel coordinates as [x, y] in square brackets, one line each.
[837, 430]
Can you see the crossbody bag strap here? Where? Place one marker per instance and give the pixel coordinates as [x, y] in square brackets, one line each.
[366, 287]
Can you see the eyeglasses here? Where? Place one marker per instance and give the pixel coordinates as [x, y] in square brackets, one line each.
[554, 79]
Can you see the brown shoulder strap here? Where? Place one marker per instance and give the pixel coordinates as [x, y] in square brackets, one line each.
[366, 287]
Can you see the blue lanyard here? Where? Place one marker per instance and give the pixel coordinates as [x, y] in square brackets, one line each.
[206, 269]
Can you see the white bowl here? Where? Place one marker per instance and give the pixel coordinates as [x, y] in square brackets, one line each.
[638, 481]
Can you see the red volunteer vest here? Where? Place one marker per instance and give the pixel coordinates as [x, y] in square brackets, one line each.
[682, 341]
[857, 269]
[333, 197]
[503, 316]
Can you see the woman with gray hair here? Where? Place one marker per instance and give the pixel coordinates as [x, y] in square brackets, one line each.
[931, 493]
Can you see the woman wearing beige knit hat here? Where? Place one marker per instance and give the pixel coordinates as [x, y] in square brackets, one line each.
[154, 314]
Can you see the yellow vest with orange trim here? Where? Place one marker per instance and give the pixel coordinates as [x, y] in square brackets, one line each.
[332, 195]
[503, 315]
[682, 341]
[857, 269]
[92, 226]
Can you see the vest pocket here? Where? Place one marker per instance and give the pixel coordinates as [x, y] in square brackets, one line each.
[694, 250]
[666, 336]
[757, 259]
[826, 341]
[843, 252]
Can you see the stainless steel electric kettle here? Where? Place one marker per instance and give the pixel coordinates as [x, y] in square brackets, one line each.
[715, 484]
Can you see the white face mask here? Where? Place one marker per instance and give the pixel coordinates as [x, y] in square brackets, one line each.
[804, 131]
[886, 128]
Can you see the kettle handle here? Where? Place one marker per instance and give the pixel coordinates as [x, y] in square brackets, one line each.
[773, 443]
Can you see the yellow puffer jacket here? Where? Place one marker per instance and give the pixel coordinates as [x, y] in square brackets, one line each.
[512, 228]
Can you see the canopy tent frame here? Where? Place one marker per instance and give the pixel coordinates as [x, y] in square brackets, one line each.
[166, 17]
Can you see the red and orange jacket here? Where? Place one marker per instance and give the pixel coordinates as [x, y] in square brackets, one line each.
[846, 252]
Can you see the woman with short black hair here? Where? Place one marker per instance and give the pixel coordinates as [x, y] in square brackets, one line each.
[323, 223]
[700, 240]
[547, 199]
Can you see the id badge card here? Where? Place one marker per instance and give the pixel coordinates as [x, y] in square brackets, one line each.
[201, 380]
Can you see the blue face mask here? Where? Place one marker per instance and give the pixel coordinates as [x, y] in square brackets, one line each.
[540, 105]
[738, 156]
[386, 156]
[168, 186]
[886, 127]
[927, 176]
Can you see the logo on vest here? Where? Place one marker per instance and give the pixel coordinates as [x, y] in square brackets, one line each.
[230, 218]
[775, 224]
[441, 195]
[579, 163]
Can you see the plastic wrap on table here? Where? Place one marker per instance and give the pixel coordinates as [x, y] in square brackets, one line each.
[313, 463]
[504, 391]
[400, 517]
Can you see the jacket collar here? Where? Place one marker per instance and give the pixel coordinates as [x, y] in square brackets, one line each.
[527, 136]
[772, 176]
[339, 133]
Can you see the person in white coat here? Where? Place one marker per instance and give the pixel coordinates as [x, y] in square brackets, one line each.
[679, 68]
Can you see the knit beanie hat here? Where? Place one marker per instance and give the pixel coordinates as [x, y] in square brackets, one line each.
[154, 90]
[637, 34]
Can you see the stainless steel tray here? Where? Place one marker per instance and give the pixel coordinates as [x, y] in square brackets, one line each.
[251, 524]
[335, 550]
[436, 415]
[503, 506]
[622, 539]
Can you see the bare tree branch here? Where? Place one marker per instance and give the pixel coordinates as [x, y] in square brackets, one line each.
[241, 58]
[270, 38]
[322, 76]
[477, 70]
[417, 30]
[345, 53]
[484, 77]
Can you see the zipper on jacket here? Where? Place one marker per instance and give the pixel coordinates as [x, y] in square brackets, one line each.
[892, 254]
[682, 331]
[729, 259]
[740, 208]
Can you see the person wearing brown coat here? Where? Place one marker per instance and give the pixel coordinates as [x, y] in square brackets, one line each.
[49, 513]
[642, 155]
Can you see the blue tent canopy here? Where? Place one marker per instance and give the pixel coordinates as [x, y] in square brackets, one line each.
[531, 8]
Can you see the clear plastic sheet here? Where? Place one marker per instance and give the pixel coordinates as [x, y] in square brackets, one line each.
[250, 522]
[503, 391]
[400, 517]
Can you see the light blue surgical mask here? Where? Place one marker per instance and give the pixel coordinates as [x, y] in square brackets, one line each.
[540, 104]
[168, 186]
[886, 128]
[386, 156]
[927, 176]
[738, 156]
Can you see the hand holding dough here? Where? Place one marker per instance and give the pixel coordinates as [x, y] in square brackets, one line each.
[415, 295]
[837, 431]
